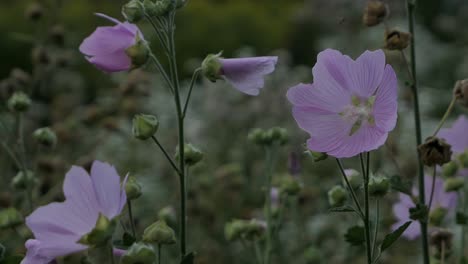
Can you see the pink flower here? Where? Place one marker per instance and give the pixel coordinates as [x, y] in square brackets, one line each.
[457, 135]
[350, 107]
[247, 74]
[441, 199]
[106, 46]
[58, 226]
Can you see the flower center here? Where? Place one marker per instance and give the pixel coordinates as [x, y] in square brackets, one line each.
[358, 112]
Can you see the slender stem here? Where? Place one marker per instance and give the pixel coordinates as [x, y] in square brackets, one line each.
[464, 203]
[365, 172]
[376, 226]
[350, 189]
[442, 253]
[417, 118]
[111, 252]
[432, 188]
[163, 150]
[269, 152]
[159, 253]
[130, 216]
[12, 155]
[22, 155]
[163, 72]
[160, 34]
[446, 115]
[258, 254]
[192, 83]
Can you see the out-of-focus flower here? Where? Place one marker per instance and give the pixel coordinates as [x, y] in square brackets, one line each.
[58, 226]
[457, 135]
[441, 199]
[245, 74]
[19, 102]
[351, 106]
[106, 46]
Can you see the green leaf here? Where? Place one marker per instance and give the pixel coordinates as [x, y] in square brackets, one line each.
[419, 213]
[341, 209]
[355, 235]
[462, 219]
[392, 237]
[189, 258]
[400, 185]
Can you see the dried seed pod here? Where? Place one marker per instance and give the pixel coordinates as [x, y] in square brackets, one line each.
[375, 13]
[396, 39]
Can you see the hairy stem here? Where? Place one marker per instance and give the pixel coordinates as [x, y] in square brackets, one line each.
[365, 172]
[130, 216]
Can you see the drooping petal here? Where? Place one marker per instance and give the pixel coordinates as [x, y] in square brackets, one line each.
[385, 106]
[106, 184]
[117, 61]
[247, 74]
[107, 40]
[457, 135]
[366, 72]
[43, 252]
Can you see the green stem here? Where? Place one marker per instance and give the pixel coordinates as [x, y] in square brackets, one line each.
[130, 216]
[365, 172]
[163, 73]
[159, 253]
[111, 252]
[22, 155]
[446, 115]
[163, 150]
[432, 188]
[376, 227]
[192, 83]
[161, 37]
[269, 174]
[417, 118]
[350, 189]
[258, 254]
[464, 204]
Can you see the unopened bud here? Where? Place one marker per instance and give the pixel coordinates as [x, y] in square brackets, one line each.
[463, 159]
[244, 229]
[132, 188]
[375, 12]
[212, 67]
[45, 136]
[192, 155]
[278, 135]
[159, 233]
[34, 11]
[354, 178]
[40, 56]
[258, 136]
[133, 11]
[101, 233]
[453, 184]
[57, 35]
[396, 40]
[144, 126]
[23, 181]
[317, 156]
[437, 215]
[138, 53]
[168, 214]
[450, 169]
[290, 186]
[435, 151]
[10, 217]
[461, 92]
[139, 253]
[156, 8]
[337, 196]
[19, 102]
[379, 186]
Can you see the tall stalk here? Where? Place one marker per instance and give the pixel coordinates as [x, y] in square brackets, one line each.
[365, 173]
[411, 4]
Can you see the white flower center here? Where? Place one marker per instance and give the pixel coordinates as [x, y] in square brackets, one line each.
[358, 112]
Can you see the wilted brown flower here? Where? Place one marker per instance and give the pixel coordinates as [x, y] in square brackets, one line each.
[375, 12]
[435, 151]
[396, 39]
[461, 92]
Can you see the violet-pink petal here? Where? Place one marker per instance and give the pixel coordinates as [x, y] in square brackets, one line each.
[43, 252]
[385, 106]
[107, 40]
[117, 61]
[310, 96]
[366, 72]
[331, 86]
[457, 135]
[106, 183]
[247, 74]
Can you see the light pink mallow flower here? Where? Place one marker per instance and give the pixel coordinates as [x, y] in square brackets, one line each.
[58, 226]
[350, 107]
[457, 135]
[441, 199]
[106, 46]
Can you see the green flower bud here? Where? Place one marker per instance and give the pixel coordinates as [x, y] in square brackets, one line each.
[159, 7]
[245, 229]
[450, 169]
[133, 11]
[354, 178]
[337, 196]
[278, 135]
[45, 136]
[132, 188]
[211, 67]
[290, 186]
[19, 102]
[234, 229]
[258, 136]
[317, 156]
[139, 253]
[168, 214]
[144, 126]
[379, 186]
[10, 217]
[101, 234]
[192, 155]
[453, 184]
[463, 158]
[159, 233]
[138, 53]
[24, 180]
[437, 215]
